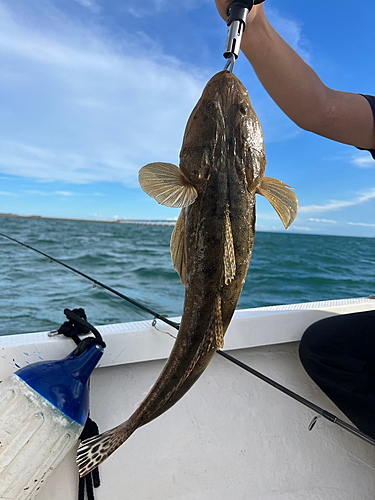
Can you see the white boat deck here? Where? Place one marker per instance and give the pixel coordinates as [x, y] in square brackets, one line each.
[232, 435]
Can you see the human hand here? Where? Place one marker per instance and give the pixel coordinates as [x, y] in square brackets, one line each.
[256, 11]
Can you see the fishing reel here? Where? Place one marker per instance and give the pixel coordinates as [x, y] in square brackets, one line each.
[237, 17]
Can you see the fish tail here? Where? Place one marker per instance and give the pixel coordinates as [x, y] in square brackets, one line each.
[93, 451]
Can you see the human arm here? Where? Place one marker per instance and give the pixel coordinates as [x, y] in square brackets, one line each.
[297, 89]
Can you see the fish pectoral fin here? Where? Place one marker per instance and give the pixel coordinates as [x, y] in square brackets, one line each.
[167, 185]
[229, 255]
[281, 197]
[178, 247]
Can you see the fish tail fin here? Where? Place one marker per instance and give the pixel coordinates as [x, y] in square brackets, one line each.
[93, 451]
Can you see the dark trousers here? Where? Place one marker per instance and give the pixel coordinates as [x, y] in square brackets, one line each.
[339, 355]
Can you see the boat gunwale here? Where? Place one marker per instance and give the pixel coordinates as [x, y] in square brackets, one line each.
[140, 341]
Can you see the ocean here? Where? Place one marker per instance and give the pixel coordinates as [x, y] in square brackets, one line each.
[285, 268]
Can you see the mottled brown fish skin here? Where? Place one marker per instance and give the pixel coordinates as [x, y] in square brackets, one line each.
[223, 130]
[234, 165]
[223, 163]
[223, 157]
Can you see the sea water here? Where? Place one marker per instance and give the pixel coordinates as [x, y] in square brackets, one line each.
[135, 260]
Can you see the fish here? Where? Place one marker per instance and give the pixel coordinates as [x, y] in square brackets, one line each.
[222, 167]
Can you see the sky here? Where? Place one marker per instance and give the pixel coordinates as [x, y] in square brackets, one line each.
[92, 90]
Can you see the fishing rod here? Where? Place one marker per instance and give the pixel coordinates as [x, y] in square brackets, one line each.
[323, 413]
[317, 409]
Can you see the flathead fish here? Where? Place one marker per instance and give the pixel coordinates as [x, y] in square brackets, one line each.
[222, 166]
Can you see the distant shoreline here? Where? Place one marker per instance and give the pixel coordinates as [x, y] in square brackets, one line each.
[102, 221]
[141, 222]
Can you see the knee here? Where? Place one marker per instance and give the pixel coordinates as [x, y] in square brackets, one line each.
[314, 343]
[307, 345]
[309, 340]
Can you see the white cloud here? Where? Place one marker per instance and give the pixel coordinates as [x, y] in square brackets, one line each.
[91, 110]
[96, 113]
[35, 192]
[305, 229]
[263, 217]
[324, 221]
[362, 224]
[137, 13]
[7, 193]
[363, 160]
[89, 4]
[339, 205]
[63, 193]
[150, 7]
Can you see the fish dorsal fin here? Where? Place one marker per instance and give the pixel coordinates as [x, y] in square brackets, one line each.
[178, 247]
[167, 185]
[229, 256]
[283, 200]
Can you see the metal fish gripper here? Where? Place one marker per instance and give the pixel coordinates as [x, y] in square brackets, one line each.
[237, 18]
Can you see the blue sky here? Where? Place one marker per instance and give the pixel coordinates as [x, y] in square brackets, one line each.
[90, 91]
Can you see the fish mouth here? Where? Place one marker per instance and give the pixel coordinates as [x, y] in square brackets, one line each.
[225, 76]
[226, 85]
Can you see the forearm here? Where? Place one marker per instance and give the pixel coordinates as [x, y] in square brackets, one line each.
[300, 93]
[291, 83]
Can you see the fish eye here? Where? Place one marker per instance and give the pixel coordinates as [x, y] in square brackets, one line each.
[211, 106]
[244, 108]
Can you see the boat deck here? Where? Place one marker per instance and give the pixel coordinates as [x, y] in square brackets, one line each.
[232, 435]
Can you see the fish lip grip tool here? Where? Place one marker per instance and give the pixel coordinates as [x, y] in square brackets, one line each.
[237, 16]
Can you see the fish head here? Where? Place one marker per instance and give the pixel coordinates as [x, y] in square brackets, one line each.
[223, 125]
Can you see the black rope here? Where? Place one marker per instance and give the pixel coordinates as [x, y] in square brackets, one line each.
[92, 479]
[76, 325]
